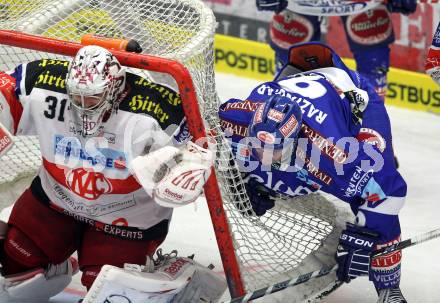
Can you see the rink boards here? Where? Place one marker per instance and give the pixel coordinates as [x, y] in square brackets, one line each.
[254, 60]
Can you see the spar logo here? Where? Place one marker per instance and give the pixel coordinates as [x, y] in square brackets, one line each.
[87, 183]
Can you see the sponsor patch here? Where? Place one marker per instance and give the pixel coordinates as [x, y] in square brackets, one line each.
[88, 184]
[275, 115]
[289, 127]
[372, 137]
[312, 168]
[258, 117]
[246, 106]
[266, 137]
[357, 182]
[176, 267]
[326, 147]
[70, 148]
[234, 129]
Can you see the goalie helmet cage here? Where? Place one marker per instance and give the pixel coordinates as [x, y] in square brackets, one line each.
[295, 237]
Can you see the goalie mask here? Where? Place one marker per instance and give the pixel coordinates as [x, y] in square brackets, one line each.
[273, 131]
[95, 82]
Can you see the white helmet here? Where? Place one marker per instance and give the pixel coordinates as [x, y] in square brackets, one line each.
[95, 82]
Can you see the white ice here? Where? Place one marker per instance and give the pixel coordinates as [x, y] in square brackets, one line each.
[417, 145]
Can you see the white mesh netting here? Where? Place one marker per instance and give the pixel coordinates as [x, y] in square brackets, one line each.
[270, 248]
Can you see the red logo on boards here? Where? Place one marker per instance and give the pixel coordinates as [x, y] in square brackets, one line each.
[88, 184]
[371, 27]
[288, 28]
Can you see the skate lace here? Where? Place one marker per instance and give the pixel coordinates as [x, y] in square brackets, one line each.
[392, 295]
[162, 258]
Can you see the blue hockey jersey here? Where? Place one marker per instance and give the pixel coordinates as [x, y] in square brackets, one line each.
[344, 146]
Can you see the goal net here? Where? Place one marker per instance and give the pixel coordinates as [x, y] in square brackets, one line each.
[297, 236]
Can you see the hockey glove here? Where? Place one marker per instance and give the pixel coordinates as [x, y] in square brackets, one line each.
[174, 177]
[260, 196]
[271, 5]
[353, 252]
[405, 7]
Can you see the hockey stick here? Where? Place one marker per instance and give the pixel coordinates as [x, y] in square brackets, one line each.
[326, 269]
[339, 7]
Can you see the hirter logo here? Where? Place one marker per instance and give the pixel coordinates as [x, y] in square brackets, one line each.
[88, 184]
[266, 137]
[371, 27]
[288, 28]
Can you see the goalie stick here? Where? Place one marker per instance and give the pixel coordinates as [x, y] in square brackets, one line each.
[328, 269]
[339, 7]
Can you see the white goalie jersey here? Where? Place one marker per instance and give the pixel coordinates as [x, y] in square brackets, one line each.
[91, 179]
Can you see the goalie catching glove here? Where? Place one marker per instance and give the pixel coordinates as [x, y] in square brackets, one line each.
[174, 177]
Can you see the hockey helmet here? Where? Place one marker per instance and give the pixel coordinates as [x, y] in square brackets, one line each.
[275, 125]
[95, 82]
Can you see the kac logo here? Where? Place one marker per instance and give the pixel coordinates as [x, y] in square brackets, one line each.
[87, 183]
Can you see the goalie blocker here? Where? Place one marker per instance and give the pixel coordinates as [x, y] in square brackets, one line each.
[174, 177]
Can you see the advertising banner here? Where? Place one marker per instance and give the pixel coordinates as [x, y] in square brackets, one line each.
[413, 37]
[252, 59]
[240, 18]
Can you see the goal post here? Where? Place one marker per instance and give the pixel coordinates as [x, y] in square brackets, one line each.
[177, 37]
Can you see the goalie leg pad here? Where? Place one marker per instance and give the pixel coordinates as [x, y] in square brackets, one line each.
[37, 285]
[205, 286]
[177, 280]
[138, 286]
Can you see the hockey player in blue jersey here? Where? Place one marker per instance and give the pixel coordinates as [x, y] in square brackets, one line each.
[321, 126]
